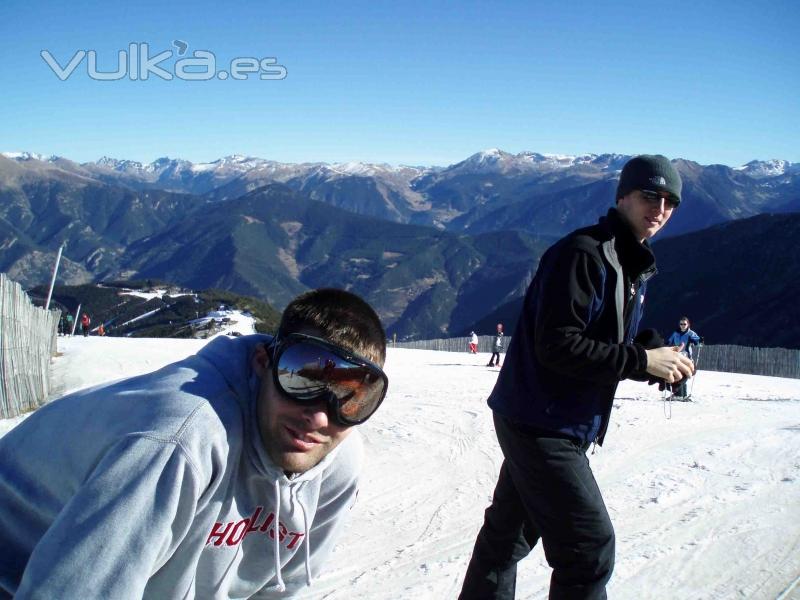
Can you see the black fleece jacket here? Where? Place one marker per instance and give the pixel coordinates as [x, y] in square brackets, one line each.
[574, 339]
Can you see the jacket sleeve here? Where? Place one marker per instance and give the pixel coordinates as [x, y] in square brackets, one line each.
[570, 297]
[693, 337]
[120, 526]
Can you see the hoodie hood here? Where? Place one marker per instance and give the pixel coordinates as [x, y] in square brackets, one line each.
[231, 357]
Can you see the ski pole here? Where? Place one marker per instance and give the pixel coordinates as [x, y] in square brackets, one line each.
[666, 401]
[696, 362]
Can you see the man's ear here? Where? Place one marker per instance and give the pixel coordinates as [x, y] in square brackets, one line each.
[261, 361]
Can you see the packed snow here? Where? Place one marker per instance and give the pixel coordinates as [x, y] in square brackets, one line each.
[704, 495]
[228, 322]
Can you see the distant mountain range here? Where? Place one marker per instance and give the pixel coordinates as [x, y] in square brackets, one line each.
[435, 249]
[489, 191]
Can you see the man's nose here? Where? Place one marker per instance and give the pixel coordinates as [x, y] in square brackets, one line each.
[316, 415]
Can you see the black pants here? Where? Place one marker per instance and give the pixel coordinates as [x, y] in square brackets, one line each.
[495, 359]
[545, 490]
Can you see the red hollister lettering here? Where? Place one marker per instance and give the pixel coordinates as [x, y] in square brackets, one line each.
[233, 532]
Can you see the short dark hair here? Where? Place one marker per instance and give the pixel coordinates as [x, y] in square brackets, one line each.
[341, 317]
[684, 319]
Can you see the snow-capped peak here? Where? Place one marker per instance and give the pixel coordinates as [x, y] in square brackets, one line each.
[362, 169]
[235, 162]
[23, 156]
[759, 169]
[118, 164]
[488, 156]
[490, 160]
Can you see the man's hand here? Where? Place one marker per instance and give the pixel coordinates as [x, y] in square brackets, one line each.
[668, 364]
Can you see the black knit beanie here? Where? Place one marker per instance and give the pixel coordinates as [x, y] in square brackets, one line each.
[649, 172]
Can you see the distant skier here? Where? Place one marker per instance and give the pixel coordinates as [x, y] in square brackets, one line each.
[683, 339]
[70, 321]
[473, 342]
[576, 338]
[497, 347]
[86, 323]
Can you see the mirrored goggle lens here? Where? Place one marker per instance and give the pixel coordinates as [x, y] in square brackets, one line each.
[307, 371]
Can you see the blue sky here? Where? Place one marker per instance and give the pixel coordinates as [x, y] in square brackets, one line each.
[413, 83]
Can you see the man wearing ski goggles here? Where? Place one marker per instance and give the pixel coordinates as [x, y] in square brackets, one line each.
[316, 379]
[320, 376]
[235, 469]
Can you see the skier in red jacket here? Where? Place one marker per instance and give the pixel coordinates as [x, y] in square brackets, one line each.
[85, 324]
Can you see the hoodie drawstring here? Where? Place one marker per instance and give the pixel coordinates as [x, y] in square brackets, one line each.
[306, 536]
[277, 532]
[293, 493]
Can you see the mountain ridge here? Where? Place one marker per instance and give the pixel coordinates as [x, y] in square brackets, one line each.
[456, 196]
[435, 249]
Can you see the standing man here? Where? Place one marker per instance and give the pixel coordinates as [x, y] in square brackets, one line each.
[684, 338]
[226, 475]
[473, 342]
[497, 347]
[573, 343]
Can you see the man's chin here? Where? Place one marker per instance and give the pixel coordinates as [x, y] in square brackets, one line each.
[649, 232]
[297, 462]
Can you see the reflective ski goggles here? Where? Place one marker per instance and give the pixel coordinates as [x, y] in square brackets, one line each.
[308, 370]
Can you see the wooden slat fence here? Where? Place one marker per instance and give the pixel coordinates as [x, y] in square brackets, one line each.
[27, 341]
[456, 344]
[775, 362]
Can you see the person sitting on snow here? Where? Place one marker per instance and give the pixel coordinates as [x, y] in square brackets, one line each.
[225, 475]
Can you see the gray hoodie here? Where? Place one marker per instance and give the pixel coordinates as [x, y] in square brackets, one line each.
[159, 486]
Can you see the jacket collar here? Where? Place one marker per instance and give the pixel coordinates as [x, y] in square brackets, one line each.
[636, 257]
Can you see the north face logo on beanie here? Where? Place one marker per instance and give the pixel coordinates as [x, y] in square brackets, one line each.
[652, 172]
